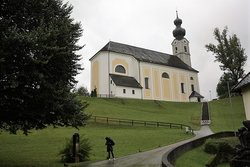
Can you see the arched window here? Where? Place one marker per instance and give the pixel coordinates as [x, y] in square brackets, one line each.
[165, 75]
[191, 78]
[120, 69]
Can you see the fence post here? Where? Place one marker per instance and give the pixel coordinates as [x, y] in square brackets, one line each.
[181, 126]
[95, 119]
[107, 120]
[170, 125]
[132, 122]
[157, 124]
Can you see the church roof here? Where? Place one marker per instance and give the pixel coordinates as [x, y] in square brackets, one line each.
[243, 83]
[195, 94]
[146, 55]
[121, 80]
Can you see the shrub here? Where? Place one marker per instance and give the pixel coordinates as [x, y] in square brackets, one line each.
[83, 153]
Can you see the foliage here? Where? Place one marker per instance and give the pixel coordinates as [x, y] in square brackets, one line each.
[231, 55]
[213, 146]
[37, 65]
[83, 153]
[81, 91]
[93, 93]
[222, 86]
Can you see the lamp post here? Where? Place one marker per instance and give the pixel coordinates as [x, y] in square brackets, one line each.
[231, 107]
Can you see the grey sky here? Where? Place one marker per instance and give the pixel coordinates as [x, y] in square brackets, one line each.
[149, 24]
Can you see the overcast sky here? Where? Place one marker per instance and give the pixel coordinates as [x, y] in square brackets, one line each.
[149, 24]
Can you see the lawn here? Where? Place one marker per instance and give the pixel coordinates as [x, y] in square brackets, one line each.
[149, 110]
[221, 117]
[40, 148]
[197, 157]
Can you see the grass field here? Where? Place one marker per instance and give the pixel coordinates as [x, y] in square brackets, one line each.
[41, 148]
[221, 116]
[149, 110]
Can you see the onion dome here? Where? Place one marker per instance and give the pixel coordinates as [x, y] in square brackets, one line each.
[178, 32]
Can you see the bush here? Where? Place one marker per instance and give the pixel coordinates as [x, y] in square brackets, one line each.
[220, 146]
[83, 153]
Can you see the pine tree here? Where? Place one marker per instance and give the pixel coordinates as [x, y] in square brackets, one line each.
[38, 62]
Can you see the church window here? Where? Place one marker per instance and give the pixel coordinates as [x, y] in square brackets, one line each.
[192, 87]
[182, 88]
[124, 91]
[146, 83]
[133, 92]
[165, 75]
[191, 78]
[176, 49]
[185, 48]
[120, 69]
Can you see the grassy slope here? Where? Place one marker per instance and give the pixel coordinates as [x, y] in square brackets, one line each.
[41, 147]
[221, 121]
[221, 114]
[186, 113]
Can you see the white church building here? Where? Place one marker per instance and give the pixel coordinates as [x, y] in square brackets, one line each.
[124, 71]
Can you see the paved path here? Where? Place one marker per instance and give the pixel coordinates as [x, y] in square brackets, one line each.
[150, 158]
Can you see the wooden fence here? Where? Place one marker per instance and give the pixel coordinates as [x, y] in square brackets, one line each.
[132, 122]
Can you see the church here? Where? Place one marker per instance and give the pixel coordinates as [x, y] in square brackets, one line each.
[125, 71]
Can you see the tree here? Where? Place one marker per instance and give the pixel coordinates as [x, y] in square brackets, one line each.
[81, 91]
[37, 65]
[231, 55]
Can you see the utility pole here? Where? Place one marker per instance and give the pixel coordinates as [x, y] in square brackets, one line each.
[231, 108]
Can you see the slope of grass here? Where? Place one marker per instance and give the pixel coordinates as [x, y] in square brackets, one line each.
[222, 119]
[150, 110]
[41, 148]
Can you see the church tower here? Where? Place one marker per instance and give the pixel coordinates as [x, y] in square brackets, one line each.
[180, 45]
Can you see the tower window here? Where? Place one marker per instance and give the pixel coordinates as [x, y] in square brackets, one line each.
[120, 69]
[192, 87]
[185, 48]
[124, 91]
[176, 49]
[182, 88]
[146, 83]
[191, 78]
[133, 92]
[165, 75]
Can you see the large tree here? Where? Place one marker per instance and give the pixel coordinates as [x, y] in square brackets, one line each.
[232, 57]
[38, 62]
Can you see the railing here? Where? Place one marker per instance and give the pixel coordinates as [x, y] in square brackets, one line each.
[106, 95]
[140, 122]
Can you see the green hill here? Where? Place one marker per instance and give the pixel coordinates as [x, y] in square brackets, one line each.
[148, 110]
[221, 116]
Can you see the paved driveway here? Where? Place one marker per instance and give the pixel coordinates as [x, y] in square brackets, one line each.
[150, 158]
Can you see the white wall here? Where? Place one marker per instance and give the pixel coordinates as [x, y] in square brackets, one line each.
[102, 58]
[246, 100]
[170, 71]
[128, 94]
[133, 67]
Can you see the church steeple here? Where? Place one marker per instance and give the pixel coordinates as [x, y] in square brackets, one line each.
[180, 44]
[178, 32]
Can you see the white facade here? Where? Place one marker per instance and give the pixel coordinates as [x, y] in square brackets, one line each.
[246, 100]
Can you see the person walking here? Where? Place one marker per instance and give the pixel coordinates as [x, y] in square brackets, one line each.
[110, 143]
